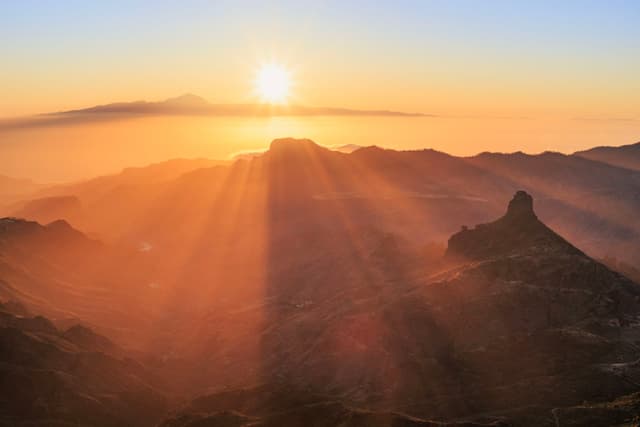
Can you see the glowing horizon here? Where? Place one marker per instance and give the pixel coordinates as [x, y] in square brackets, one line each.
[507, 76]
[539, 59]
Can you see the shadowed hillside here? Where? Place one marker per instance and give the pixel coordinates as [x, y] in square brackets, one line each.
[73, 377]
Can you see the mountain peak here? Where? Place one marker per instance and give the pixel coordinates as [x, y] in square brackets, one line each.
[284, 143]
[521, 206]
[294, 146]
[187, 99]
[518, 231]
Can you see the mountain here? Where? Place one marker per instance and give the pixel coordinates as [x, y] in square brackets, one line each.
[518, 327]
[593, 204]
[247, 155]
[52, 377]
[304, 280]
[590, 202]
[47, 209]
[192, 104]
[56, 271]
[518, 230]
[625, 156]
[185, 105]
[132, 186]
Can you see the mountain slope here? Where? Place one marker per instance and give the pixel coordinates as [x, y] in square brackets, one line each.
[51, 378]
[625, 156]
[57, 271]
[518, 325]
[296, 271]
[135, 186]
[594, 204]
[518, 230]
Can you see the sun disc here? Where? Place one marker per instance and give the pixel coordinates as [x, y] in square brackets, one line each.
[273, 83]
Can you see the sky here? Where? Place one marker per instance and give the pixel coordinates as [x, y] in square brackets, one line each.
[571, 59]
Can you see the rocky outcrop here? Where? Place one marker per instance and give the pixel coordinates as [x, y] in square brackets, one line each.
[517, 231]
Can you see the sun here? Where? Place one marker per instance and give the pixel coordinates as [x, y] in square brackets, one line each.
[273, 83]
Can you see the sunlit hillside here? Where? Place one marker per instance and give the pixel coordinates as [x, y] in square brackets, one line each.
[319, 214]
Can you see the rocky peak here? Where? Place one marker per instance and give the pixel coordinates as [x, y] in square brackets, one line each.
[518, 231]
[521, 206]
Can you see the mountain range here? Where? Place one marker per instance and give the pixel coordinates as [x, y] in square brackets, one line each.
[590, 200]
[308, 286]
[513, 325]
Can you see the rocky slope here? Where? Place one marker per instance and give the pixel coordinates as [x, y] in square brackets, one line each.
[308, 271]
[74, 377]
[521, 328]
[57, 271]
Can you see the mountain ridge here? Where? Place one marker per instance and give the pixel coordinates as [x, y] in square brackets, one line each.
[625, 156]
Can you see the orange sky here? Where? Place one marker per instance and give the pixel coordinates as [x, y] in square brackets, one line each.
[505, 77]
[544, 59]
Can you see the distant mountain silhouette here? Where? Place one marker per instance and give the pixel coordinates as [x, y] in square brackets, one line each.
[135, 184]
[186, 105]
[192, 104]
[625, 156]
[48, 209]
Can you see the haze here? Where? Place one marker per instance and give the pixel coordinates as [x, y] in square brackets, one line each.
[506, 77]
[319, 213]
